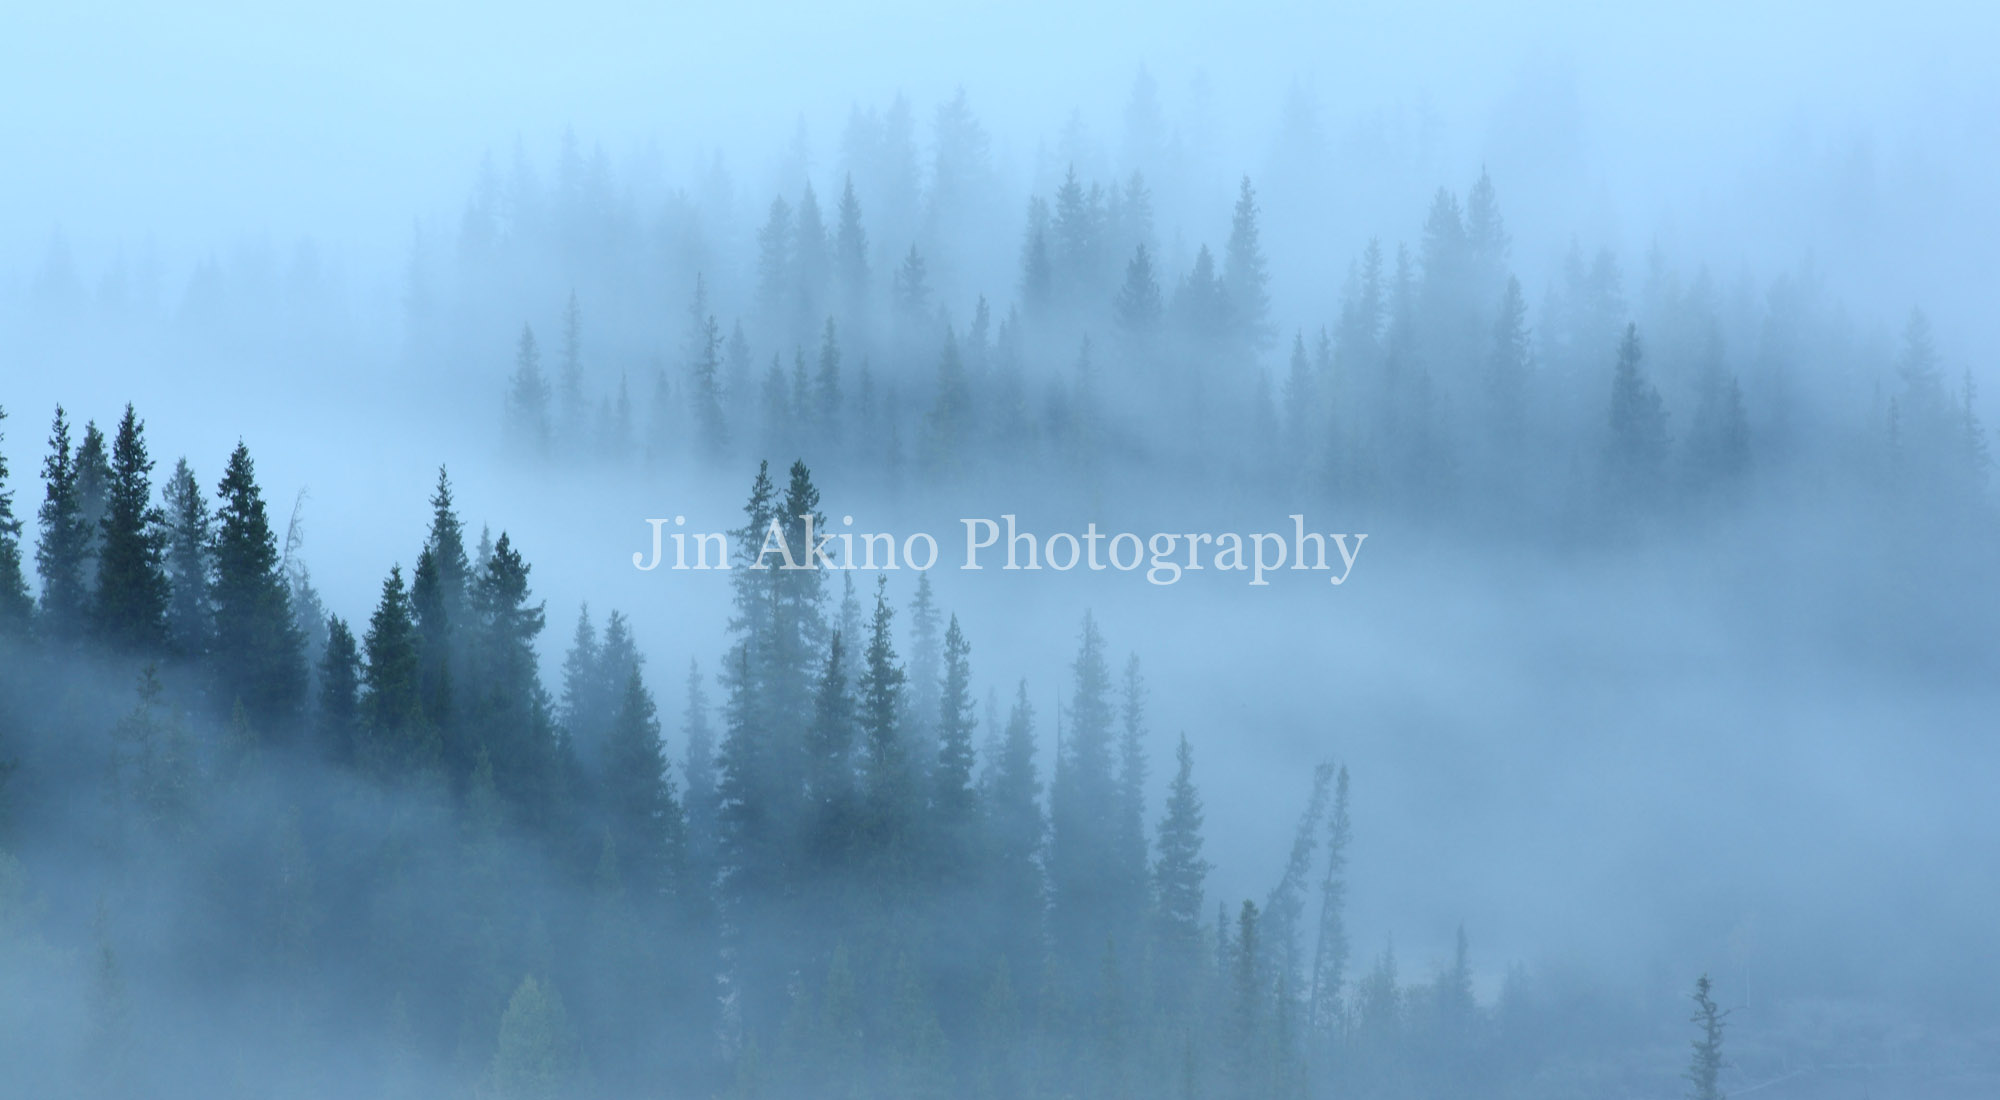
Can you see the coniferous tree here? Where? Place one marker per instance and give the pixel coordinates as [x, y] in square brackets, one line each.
[1507, 368]
[646, 825]
[340, 681]
[704, 359]
[1245, 277]
[1705, 1067]
[1179, 876]
[93, 486]
[259, 655]
[399, 740]
[953, 798]
[528, 400]
[889, 774]
[1638, 425]
[1017, 829]
[62, 552]
[439, 595]
[570, 408]
[826, 386]
[131, 599]
[16, 607]
[1083, 862]
[508, 705]
[188, 562]
[1138, 306]
[850, 248]
[1325, 1008]
[536, 1056]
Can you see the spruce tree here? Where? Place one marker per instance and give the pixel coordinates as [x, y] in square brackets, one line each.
[62, 552]
[258, 653]
[1245, 277]
[16, 607]
[851, 252]
[888, 773]
[647, 829]
[528, 400]
[1325, 1008]
[188, 562]
[953, 798]
[340, 680]
[130, 613]
[1638, 425]
[1179, 875]
[399, 739]
[1705, 1067]
[1016, 830]
[1138, 305]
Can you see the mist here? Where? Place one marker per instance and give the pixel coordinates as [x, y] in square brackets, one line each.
[1638, 366]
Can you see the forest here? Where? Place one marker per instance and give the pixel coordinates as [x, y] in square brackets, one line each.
[1654, 710]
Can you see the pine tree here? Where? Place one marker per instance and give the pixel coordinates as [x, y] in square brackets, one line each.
[16, 607]
[644, 815]
[536, 1057]
[889, 777]
[1245, 277]
[1084, 860]
[399, 740]
[188, 562]
[1325, 1010]
[775, 278]
[528, 400]
[439, 595]
[130, 613]
[1638, 424]
[508, 704]
[1138, 306]
[1179, 874]
[1507, 367]
[1706, 1065]
[850, 248]
[259, 656]
[93, 485]
[913, 288]
[1130, 825]
[570, 430]
[826, 386]
[62, 553]
[953, 799]
[704, 360]
[1016, 830]
[340, 679]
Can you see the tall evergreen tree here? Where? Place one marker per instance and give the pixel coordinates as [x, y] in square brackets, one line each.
[1704, 1074]
[1638, 425]
[62, 553]
[953, 798]
[259, 655]
[340, 680]
[188, 562]
[528, 400]
[1246, 278]
[399, 739]
[131, 599]
[16, 607]
[647, 829]
[1179, 876]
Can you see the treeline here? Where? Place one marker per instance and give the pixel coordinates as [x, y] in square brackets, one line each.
[386, 857]
[1434, 383]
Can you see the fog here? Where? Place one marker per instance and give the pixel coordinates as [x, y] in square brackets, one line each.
[1651, 352]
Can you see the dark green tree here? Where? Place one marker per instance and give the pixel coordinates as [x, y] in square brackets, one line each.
[130, 612]
[189, 561]
[16, 607]
[340, 680]
[258, 653]
[63, 551]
